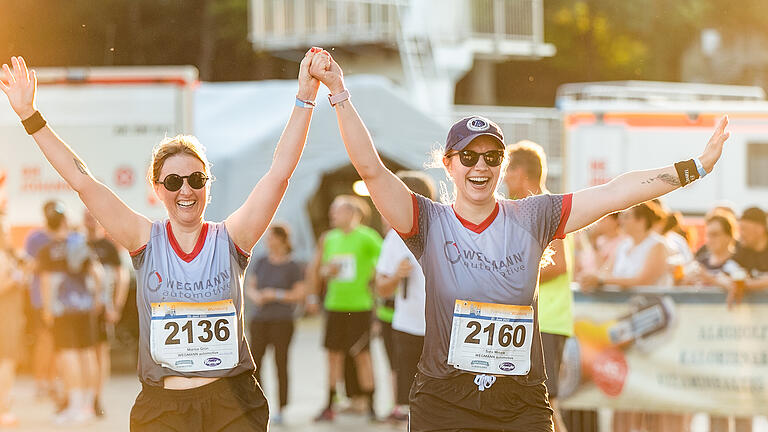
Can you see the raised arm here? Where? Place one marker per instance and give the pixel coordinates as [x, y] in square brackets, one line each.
[390, 195]
[635, 187]
[127, 227]
[248, 223]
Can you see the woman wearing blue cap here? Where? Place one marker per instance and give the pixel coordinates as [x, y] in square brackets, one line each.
[482, 366]
[194, 364]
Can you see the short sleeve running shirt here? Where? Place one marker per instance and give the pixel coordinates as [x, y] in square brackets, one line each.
[280, 277]
[355, 254]
[109, 258]
[32, 245]
[409, 297]
[212, 272]
[66, 262]
[496, 261]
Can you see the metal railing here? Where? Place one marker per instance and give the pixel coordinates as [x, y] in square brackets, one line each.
[291, 24]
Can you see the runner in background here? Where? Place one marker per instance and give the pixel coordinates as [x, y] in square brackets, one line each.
[398, 273]
[109, 308]
[70, 283]
[481, 259]
[11, 322]
[43, 366]
[275, 285]
[526, 176]
[346, 258]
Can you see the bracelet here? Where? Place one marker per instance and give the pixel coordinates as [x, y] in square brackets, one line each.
[700, 168]
[34, 123]
[339, 97]
[686, 172]
[303, 103]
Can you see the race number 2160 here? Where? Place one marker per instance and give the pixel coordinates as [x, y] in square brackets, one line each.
[508, 334]
[219, 330]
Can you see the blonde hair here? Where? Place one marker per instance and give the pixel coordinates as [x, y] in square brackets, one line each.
[172, 146]
[531, 157]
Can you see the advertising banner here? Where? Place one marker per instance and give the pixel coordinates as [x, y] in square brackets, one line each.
[668, 351]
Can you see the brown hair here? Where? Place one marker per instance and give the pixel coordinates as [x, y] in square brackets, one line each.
[531, 157]
[649, 211]
[726, 222]
[180, 144]
[418, 182]
[356, 203]
[282, 231]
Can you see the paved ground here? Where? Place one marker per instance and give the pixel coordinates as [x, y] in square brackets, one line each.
[308, 393]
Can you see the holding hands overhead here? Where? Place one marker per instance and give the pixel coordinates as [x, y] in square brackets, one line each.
[325, 69]
[19, 85]
[308, 84]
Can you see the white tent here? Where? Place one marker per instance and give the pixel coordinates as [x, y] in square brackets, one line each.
[240, 124]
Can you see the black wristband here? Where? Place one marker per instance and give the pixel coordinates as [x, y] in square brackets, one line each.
[34, 123]
[687, 172]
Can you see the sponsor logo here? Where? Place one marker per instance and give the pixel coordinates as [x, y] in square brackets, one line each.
[452, 252]
[183, 363]
[507, 366]
[154, 281]
[482, 363]
[212, 361]
[477, 124]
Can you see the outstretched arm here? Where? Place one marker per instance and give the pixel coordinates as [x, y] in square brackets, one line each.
[390, 195]
[248, 223]
[636, 187]
[127, 227]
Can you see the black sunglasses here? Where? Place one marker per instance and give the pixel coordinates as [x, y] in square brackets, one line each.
[173, 182]
[469, 158]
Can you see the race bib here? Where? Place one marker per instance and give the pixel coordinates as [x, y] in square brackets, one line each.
[491, 338]
[194, 337]
[347, 267]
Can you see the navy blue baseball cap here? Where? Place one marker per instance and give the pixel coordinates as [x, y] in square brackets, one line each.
[465, 130]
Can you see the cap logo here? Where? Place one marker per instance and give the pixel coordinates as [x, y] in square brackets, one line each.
[477, 124]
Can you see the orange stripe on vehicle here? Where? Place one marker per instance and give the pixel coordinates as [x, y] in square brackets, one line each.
[577, 119]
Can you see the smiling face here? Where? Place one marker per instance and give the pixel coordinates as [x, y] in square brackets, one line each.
[478, 183]
[186, 205]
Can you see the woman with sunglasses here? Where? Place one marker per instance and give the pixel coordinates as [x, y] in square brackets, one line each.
[194, 364]
[482, 366]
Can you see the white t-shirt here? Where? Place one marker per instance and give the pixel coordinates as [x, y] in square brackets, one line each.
[410, 295]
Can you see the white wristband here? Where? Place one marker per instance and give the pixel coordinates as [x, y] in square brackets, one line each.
[700, 167]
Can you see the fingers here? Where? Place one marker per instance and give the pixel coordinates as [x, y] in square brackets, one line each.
[24, 69]
[9, 75]
[34, 78]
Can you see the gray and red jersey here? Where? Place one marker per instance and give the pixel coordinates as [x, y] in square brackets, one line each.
[213, 271]
[496, 261]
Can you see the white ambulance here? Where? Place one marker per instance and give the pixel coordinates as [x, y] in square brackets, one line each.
[112, 117]
[613, 127]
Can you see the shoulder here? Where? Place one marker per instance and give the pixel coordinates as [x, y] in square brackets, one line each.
[369, 233]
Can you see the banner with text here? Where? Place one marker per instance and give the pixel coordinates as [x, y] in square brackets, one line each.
[680, 351]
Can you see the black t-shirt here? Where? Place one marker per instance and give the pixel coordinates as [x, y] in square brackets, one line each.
[280, 277]
[754, 262]
[106, 252]
[66, 261]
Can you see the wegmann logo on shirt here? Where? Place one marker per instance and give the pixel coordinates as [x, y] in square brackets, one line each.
[208, 288]
[479, 260]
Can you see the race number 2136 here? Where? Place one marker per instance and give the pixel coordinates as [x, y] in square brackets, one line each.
[193, 337]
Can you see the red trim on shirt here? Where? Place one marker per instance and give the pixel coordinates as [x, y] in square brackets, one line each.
[187, 257]
[565, 212]
[242, 252]
[478, 228]
[415, 228]
[137, 251]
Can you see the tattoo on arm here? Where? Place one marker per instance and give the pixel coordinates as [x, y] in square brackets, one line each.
[666, 178]
[80, 166]
[342, 104]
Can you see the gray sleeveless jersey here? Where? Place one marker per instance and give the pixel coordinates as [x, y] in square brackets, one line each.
[494, 262]
[213, 271]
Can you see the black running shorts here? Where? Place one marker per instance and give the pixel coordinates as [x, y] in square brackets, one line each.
[74, 330]
[348, 331]
[455, 404]
[234, 404]
[553, 355]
